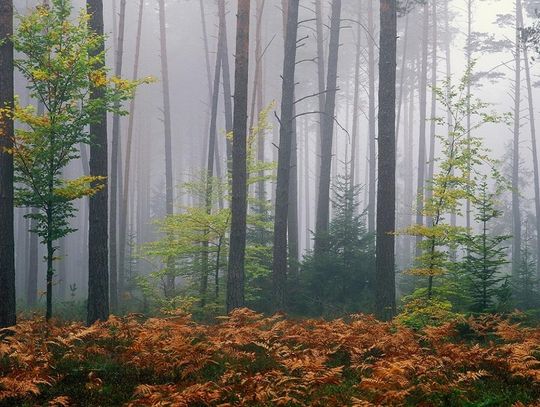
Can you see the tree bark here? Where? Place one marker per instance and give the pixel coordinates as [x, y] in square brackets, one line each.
[371, 121]
[212, 140]
[127, 165]
[237, 251]
[227, 97]
[321, 85]
[116, 272]
[279, 270]
[356, 102]
[422, 137]
[432, 128]
[98, 270]
[7, 235]
[170, 283]
[323, 205]
[386, 189]
[516, 212]
[534, 150]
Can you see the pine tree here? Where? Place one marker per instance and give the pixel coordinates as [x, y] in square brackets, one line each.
[486, 255]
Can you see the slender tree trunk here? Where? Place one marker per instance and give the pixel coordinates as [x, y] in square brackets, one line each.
[321, 84]
[469, 50]
[307, 192]
[516, 211]
[206, 49]
[98, 270]
[212, 140]
[127, 165]
[534, 150]
[371, 121]
[258, 100]
[116, 273]
[7, 236]
[32, 271]
[237, 251]
[356, 101]
[323, 205]
[227, 97]
[402, 76]
[449, 119]
[422, 139]
[168, 134]
[385, 284]
[287, 131]
[50, 263]
[432, 128]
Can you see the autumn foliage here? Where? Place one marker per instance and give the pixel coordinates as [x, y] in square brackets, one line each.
[250, 360]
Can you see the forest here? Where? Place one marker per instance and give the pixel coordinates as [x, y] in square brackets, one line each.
[269, 203]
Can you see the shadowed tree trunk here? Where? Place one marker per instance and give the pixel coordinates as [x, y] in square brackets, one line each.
[386, 189]
[371, 121]
[468, 51]
[356, 101]
[534, 150]
[98, 270]
[422, 137]
[227, 97]
[237, 250]
[323, 205]
[7, 237]
[286, 135]
[116, 272]
[321, 85]
[170, 283]
[127, 165]
[212, 139]
[516, 212]
[432, 128]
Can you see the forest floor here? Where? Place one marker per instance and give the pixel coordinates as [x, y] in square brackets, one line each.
[251, 360]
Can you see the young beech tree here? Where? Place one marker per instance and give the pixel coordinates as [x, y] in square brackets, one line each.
[58, 61]
[463, 154]
[486, 254]
[195, 243]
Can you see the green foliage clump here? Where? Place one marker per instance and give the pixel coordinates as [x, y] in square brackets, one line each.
[340, 281]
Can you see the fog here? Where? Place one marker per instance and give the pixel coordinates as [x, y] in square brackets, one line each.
[191, 72]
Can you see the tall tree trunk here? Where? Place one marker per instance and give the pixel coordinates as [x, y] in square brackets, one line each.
[371, 121]
[227, 97]
[98, 270]
[432, 127]
[206, 49]
[237, 250]
[212, 140]
[356, 101]
[402, 75]
[7, 235]
[286, 135]
[168, 133]
[321, 85]
[385, 284]
[534, 149]
[516, 211]
[127, 165]
[448, 55]
[323, 205]
[468, 51]
[116, 272]
[258, 100]
[422, 137]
